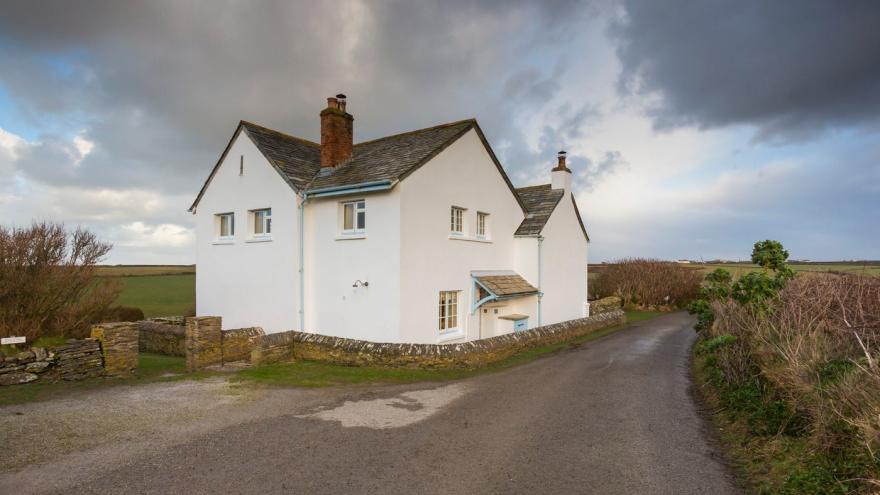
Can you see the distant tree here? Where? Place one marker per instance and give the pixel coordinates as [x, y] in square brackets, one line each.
[48, 283]
[769, 255]
[754, 289]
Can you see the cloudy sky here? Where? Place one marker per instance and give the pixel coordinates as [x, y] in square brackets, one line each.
[693, 128]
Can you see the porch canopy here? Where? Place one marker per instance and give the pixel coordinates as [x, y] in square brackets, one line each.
[499, 285]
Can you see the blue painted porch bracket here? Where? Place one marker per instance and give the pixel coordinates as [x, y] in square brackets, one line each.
[476, 305]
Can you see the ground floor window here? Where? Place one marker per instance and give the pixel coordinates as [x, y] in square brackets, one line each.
[448, 311]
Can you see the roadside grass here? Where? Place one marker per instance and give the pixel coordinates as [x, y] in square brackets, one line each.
[317, 374]
[159, 295]
[152, 368]
[777, 461]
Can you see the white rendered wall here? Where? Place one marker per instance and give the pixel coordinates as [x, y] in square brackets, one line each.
[248, 283]
[334, 262]
[462, 175]
[564, 273]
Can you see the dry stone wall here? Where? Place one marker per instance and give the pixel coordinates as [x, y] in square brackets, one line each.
[238, 343]
[75, 360]
[162, 338]
[605, 305]
[204, 346]
[119, 346]
[309, 346]
[273, 348]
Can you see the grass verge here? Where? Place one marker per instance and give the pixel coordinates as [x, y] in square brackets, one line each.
[771, 451]
[317, 374]
[152, 368]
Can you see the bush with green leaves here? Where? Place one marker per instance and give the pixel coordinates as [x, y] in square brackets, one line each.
[754, 289]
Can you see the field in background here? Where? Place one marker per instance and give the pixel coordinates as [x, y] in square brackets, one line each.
[158, 290]
[871, 268]
[142, 270]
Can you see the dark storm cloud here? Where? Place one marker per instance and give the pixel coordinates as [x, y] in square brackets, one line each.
[793, 69]
[159, 86]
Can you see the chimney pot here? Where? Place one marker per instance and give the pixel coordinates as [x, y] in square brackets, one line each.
[561, 161]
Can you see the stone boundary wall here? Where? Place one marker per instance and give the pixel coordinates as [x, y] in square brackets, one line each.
[237, 344]
[473, 354]
[605, 305]
[119, 347]
[75, 360]
[273, 348]
[161, 338]
[204, 342]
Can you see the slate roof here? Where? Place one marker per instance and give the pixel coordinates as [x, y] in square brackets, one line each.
[390, 158]
[297, 158]
[508, 285]
[540, 201]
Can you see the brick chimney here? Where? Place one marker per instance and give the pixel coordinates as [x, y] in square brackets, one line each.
[337, 132]
[561, 175]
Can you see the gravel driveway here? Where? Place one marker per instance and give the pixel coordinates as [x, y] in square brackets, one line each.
[614, 416]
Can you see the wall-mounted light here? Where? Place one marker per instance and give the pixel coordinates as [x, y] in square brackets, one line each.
[358, 283]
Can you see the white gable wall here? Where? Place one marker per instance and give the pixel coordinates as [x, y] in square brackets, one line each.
[248, 283]
[461, 175]
[564, 269]
[335, 262]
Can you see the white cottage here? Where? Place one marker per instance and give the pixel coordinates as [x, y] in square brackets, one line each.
[418, 237]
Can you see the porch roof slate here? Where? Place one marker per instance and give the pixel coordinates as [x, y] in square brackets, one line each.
[506, 285]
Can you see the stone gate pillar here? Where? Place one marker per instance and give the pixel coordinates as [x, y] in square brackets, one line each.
[203, 342]
[119, 347]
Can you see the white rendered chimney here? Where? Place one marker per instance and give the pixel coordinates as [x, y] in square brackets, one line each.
[560, 176]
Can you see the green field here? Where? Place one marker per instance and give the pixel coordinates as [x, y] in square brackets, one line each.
[159, 290]
[738, 269]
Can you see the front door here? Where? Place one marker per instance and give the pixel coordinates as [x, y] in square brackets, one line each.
[521, 325]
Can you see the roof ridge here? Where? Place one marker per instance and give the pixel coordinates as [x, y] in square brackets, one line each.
[534, 186]
[434, 127]
[302, 140]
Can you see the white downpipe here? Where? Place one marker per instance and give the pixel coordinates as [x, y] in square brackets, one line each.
[302, 263]
[540, 266]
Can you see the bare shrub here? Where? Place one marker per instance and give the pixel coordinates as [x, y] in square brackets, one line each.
[47, 281]
[818, 345]
[649, 283]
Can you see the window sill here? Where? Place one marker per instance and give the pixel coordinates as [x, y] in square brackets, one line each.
[450, 335]
[459, 237]
[348, 237]
[259, 239]
[223, 242]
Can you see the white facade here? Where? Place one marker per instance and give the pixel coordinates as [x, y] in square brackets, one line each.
[383, 284]
[248, 281]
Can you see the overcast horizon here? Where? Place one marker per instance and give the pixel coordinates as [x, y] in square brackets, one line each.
[693, 130]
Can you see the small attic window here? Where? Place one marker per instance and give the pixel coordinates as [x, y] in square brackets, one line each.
[241, 165]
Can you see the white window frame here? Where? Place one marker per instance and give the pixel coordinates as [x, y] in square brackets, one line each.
[266, 223]
[220, 218]
[482, 225]
[456, 219]
[358, 206]
[448, 316]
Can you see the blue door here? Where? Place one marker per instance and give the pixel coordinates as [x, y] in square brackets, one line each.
[521, 325]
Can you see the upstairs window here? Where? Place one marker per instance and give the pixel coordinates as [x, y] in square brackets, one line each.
[457, 220]
[482, 224]
[262, 222]
[448, 311]
[225, 226]
[354, 217]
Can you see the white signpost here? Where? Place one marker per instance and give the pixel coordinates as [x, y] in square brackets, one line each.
[12, 340]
